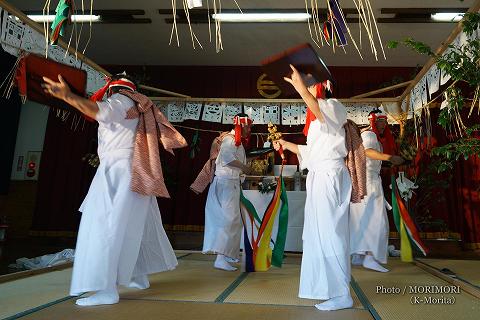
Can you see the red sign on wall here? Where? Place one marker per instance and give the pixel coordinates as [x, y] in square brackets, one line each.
[33, 165]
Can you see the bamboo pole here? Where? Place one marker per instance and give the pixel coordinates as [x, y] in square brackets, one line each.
[244, 100]
[35, 26]
[374, 92]
[170, 93]
[475, 8]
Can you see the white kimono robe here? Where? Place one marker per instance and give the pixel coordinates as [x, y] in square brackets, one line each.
[325, 269]
[368, 220]
[121, 234]
[223, 224]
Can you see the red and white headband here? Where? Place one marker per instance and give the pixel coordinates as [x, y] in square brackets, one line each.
[238, 120]
[122, 82]
[377, 115]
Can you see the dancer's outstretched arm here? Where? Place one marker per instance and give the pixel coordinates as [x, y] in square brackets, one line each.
[62, 91]
[375, 155]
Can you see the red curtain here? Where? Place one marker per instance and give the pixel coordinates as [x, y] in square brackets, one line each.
[63, 178]
[461, 210]
[449, 204]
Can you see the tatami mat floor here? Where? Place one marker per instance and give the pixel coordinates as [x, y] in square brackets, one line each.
[277, 287]
[195, 290]
[24, 294]
[191, 281]
[393, 296]
[145, 310]
[468, 270]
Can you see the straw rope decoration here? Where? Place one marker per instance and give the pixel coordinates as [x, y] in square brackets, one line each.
[45, 11]
[9, 82]
[216, 6]
[174, 25]
[218, 30]
[192, 33]
[209, 22]
[81, 28]
[310, 26]
[335, 29]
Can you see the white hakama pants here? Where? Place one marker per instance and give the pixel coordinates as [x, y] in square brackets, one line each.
[369, 222]
[121, 234]
[325, 269]
[223, 224]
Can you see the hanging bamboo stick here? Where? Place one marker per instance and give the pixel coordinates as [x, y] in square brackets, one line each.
[174, 24]
[376, 28]
[309, 24]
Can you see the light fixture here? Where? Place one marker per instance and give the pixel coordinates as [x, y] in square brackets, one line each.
[262, 17]
[447, 16]
[75, 18]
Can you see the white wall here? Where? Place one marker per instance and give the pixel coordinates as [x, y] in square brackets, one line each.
[30, 135]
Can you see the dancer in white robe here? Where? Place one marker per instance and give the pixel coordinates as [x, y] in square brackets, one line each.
[369, 227]
[325, 269]
[121, 238]
[223, 224]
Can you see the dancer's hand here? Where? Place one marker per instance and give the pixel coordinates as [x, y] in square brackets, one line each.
[62, 91]
[277, 144]
[59, 90]
[296, 80]
[396, 160]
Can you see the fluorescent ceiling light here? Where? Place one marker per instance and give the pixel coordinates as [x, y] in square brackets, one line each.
[262, 17]
[447, 16]
[75, 18]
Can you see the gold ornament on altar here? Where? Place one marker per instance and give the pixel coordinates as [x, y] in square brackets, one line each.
[259, 166]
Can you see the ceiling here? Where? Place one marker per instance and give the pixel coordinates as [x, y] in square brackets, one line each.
[245, 44]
